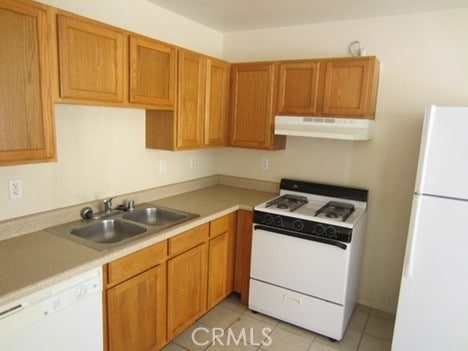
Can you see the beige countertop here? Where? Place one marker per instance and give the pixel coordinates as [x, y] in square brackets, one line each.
[34, 261]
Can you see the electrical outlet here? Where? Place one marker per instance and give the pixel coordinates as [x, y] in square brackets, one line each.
[193, 163]
[162, 166]
[15, 187]
[265, 163]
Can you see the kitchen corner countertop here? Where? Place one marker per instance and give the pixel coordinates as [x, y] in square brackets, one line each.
[35, 261]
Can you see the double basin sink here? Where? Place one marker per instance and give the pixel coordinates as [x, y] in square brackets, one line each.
[118, 228]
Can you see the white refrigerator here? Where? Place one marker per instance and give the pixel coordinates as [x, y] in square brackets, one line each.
[432, 309]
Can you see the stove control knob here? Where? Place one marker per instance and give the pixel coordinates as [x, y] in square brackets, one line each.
[278, 221]
[268, 219]
[319, 229]
[298, 225]
[330, 232]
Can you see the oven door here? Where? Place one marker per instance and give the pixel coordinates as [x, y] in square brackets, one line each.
[317, 269]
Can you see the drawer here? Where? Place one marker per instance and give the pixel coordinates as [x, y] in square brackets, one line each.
[137, 262]
[302, 310]
[187, 240]
[223, 224]
[219, 226]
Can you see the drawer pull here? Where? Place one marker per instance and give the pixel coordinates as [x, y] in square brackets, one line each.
[291, 299]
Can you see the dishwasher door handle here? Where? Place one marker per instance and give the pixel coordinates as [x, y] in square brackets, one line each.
[11, 311]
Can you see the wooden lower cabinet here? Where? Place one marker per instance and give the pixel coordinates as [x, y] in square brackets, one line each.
[186, 289]
[156, 293]
[221, 254]
[136, 312]
[243, 252]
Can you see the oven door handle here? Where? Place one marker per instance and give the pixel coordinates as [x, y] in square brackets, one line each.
[301, 236]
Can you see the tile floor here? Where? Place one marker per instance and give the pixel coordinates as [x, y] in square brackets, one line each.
[368, 330]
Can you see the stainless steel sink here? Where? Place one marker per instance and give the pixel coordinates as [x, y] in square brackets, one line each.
[157, 216]
[118, 228]
[108, 231]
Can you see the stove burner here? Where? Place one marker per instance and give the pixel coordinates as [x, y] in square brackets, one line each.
[287, 202]
[335, 209]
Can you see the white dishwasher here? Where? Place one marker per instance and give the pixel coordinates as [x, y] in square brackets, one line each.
[67, 316]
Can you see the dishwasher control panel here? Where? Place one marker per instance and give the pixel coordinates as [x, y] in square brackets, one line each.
[61, 299]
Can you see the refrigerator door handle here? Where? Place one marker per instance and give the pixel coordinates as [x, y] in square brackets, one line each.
[412, 237]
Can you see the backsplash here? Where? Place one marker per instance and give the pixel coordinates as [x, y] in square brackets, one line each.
[31, 223]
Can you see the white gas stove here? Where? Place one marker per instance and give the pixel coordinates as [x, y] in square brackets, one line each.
[306, 250]
[326, 204]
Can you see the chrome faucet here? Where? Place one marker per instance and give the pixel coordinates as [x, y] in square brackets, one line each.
[108, 206]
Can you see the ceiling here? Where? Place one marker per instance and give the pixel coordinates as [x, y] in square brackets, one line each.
[241, 15]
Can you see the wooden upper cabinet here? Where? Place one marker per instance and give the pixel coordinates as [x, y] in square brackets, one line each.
[152, 72]
[253, 96]
[298, 87]
[190, 100]
[216, 103]
[200, 119]
[26, 112]
[350, 87]
[92, 60]
[342, 87]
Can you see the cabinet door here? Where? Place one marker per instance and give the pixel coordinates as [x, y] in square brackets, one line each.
[350, 87]
[136, 312]
[298, 84]
[221, 254]
[91, 60]
[218, 265]
[186, 289]
[191, 100]
[217, 86]
[252, 101]
[152, 72]
[26, 114]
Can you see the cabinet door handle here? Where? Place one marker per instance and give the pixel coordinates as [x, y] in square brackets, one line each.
[291, 299]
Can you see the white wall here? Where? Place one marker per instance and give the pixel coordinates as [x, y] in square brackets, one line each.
[101, 151]
[423, 61]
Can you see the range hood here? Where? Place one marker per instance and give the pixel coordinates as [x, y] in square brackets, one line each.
[324, 127]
